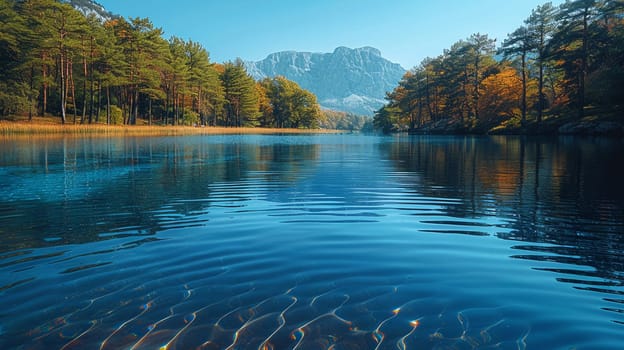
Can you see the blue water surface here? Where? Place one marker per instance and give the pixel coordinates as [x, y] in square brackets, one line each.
[311, 242]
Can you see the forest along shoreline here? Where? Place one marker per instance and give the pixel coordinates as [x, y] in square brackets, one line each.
[116, 71]
[560, 72]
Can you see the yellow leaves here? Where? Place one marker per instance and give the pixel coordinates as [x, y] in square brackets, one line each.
[501, 93]
[111, 23]
[506, 82]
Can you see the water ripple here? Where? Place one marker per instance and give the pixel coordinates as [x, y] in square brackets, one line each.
[295, 243]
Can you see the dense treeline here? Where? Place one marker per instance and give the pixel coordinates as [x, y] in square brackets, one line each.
[337, 120]
[56, 61]
[564, 63]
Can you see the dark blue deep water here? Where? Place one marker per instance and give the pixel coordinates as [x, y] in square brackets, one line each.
[311, 242]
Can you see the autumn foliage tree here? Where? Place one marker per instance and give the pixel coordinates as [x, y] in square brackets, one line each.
[560, 63]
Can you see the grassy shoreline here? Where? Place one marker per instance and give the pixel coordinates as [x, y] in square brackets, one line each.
[34, 128]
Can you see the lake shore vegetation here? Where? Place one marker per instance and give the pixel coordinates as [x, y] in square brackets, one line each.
[561, 71]
[43, 128]
[83, 69]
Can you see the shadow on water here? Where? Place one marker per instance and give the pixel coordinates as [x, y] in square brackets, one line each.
[563, 199]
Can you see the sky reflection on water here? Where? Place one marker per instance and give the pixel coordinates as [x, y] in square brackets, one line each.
[308, 241]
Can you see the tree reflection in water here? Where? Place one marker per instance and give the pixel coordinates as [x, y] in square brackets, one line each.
[563, 198]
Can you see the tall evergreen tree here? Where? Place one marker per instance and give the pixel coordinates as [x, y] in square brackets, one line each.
[198, 65]
[520, 44]
[480, 48]
[112, 66]
[179, 77]
[68, 26]
[15, 93]
[571, 45]
[144, 50]
[36, 61]
[541, 27]
[457, 80]
[214, 95]
[605, 85]
[240, 95]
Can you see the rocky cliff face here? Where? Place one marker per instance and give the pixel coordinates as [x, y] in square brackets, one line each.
[88, 7]
[349, 80]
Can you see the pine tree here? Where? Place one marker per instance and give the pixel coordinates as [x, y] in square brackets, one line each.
[605, 85]
[15, 92]
[480, 49]
[67, 26]
[457, 80]
[520, 44]
[214, 95]
[571, 45]
[240, 95]
[541, 28]
[111, 66]
[179, 77]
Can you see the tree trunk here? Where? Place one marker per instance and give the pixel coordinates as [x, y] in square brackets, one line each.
[540, 93]
[44, 74]
[182, 108]
[92, 80]
[199, 111]
[128, 114]
[583, 72]
[149, 111]
[428, 97]
[124, 111]
[63, 88]
[84, 89]
[108, 106]
[136, 107]
[70, 75]
[99, 104]
[30, 92]
[476, 89]
[420, 108]
[166, 112]
[465, 102]
[540, 83]
[176, 108]
[524, 89]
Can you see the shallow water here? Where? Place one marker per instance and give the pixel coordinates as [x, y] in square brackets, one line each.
[311, 242]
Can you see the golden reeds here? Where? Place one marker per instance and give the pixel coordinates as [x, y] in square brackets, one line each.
[33, 128]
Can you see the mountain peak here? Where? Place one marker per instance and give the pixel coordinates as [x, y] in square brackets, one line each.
[349, 80]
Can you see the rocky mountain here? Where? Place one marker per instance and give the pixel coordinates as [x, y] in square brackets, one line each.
[88, 7]
[349, 80]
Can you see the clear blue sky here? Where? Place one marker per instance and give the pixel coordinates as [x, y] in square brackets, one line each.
[406, 31]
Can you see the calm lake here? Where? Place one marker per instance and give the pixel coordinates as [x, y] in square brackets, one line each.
[311, 242]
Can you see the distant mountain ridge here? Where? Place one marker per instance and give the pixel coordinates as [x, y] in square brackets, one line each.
[349, 80]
